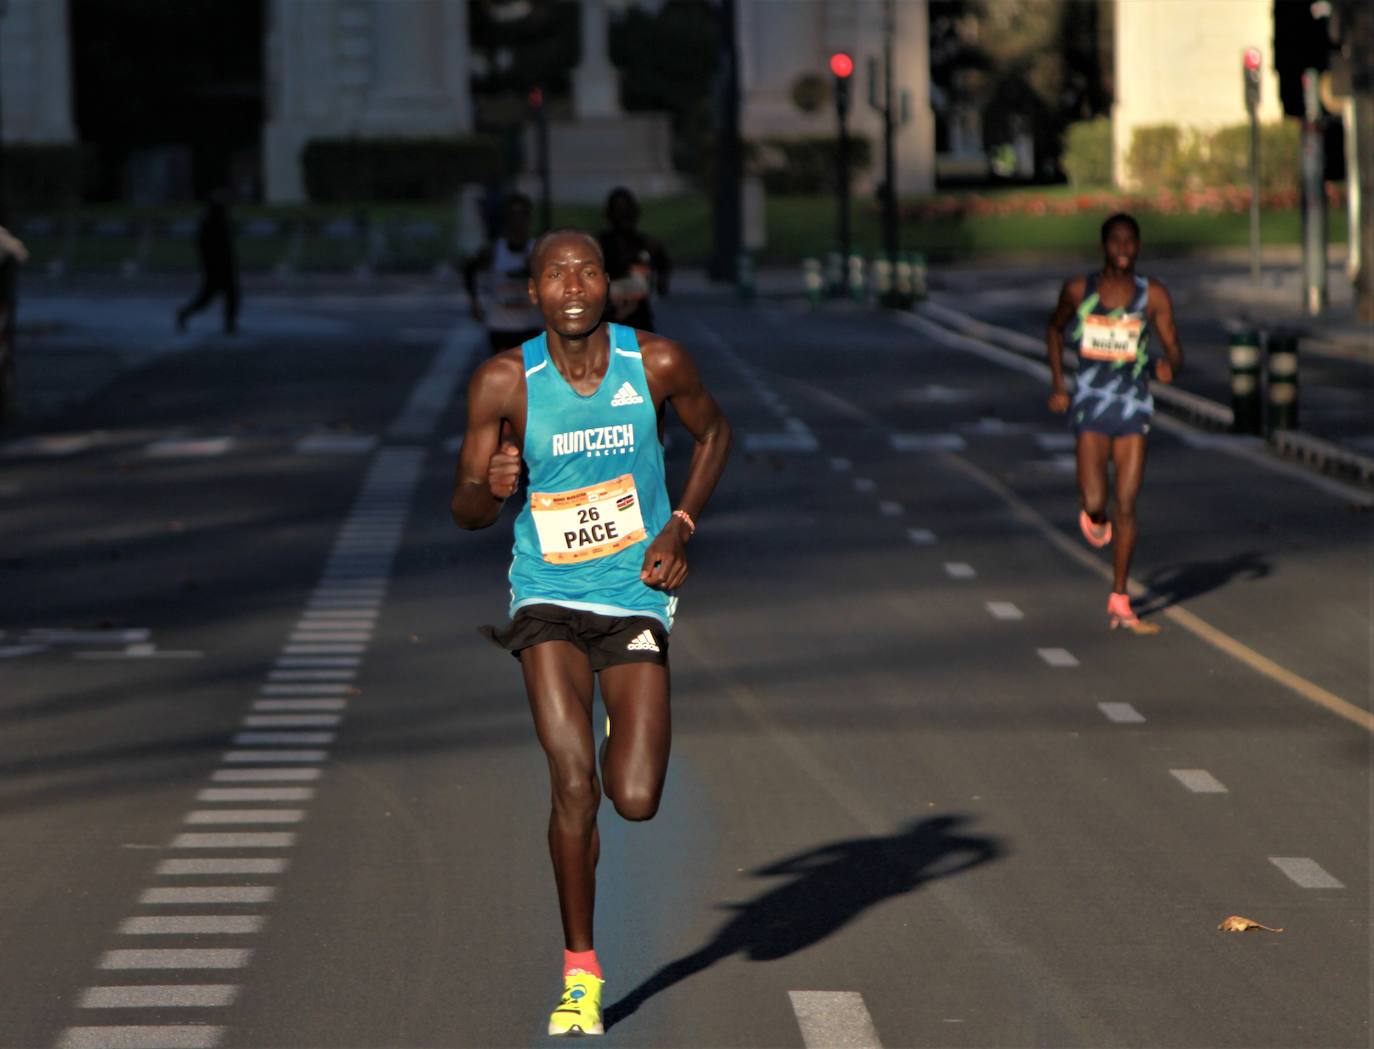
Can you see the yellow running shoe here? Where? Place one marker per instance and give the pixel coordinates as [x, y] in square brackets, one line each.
[580, 1010]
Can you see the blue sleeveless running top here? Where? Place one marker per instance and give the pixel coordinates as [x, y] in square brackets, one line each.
[1113, 385]
[596, 495]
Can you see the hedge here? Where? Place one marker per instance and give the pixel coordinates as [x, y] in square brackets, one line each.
[1165, 156]
[1087, 158]
[806, 165]
[358, 169]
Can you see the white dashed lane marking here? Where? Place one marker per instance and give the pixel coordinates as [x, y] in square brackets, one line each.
[865, 485]
[960, 570]
[888, 508]
[922, 536]
[234, 865]
[1004, 610]
[1199, 781]
[193, 925]
[1307, 873]
[160, 996]
[203, 894]
[163, 1036]
[189, 447]
[211, 795]
[1057, 657]
[1122, 713]
[840, 465]
[178, 958]
[236, 840]
[834, 1020]
[927, 442]
[336, 444]
[209, 816]
[277, 775]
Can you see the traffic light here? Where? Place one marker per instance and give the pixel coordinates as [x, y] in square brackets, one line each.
[1251, 61]
[842, 65]
[1301, 41]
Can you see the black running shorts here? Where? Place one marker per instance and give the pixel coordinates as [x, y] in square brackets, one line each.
[607, 641]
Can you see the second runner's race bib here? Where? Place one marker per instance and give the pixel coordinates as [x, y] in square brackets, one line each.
[587, 523]
[1110, 338]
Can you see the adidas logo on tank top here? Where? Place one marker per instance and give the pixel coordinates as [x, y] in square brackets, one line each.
[626, 395]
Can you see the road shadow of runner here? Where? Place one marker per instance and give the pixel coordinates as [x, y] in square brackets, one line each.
[1175, 584]
[829, 886]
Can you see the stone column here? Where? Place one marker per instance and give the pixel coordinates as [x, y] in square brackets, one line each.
[596, 88]
[35, 72]
[412, 94]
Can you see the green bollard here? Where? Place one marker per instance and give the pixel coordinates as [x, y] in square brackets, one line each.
[1247, 406]
[744, 276]
[1282, 354]
[882, 280]
[902, 285]
[918, 276]
[834, 274]
[858, 285]
[812, 281]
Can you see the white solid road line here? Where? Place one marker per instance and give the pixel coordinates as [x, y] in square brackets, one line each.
[1199, 781]
[834, 1020]
[1121, 713]
[1306, 872]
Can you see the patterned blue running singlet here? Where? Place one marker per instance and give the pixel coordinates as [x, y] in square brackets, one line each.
[1113, 390]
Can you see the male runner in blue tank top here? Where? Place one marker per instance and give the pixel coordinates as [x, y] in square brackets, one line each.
[599, 554]
[1115, 312]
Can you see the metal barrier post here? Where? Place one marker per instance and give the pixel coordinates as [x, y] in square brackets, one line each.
[882, 280]
[1247, 406]
[834, 274]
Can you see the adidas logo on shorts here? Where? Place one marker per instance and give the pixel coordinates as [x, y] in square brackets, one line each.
[643, 643]
[625, 395]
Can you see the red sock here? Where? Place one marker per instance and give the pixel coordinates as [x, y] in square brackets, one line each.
[584, 960]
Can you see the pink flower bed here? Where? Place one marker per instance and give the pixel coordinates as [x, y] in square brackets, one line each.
[1214, 201]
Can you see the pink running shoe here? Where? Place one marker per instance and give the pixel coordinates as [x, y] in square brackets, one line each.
[1120, 614]
[1098, 535]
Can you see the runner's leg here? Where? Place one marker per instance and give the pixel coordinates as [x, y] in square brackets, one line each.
[1128, 453]
[1093, 453]
[635, 760]
[559, 681]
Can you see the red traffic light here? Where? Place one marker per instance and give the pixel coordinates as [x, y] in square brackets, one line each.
[841, 65]
[1253, 59]
[536, 97]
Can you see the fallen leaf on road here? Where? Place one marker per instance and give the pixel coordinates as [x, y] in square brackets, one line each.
[1235, 923]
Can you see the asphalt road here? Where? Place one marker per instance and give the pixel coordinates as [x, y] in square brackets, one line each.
[276, 791]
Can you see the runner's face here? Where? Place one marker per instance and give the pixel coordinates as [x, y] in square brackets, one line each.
[1121, 247]
[571, 287]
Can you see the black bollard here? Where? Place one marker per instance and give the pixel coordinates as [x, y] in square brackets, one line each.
[1247, 406]
[1282, 352]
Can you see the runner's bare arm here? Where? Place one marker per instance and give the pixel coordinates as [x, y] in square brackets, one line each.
[1070, 298]
[673, 378]
[488, 471]
[1161, 308]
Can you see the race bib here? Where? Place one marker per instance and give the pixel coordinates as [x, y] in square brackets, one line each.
[1112, 339]
[587, 523]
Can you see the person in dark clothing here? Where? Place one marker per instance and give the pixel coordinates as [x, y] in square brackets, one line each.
[636, 263]
[218, 267]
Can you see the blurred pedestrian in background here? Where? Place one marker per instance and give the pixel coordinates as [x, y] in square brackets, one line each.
[218, 267]
[11, 247]
[636, 263]
[502, 302]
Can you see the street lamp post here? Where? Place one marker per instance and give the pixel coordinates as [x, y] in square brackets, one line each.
[8, 268]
